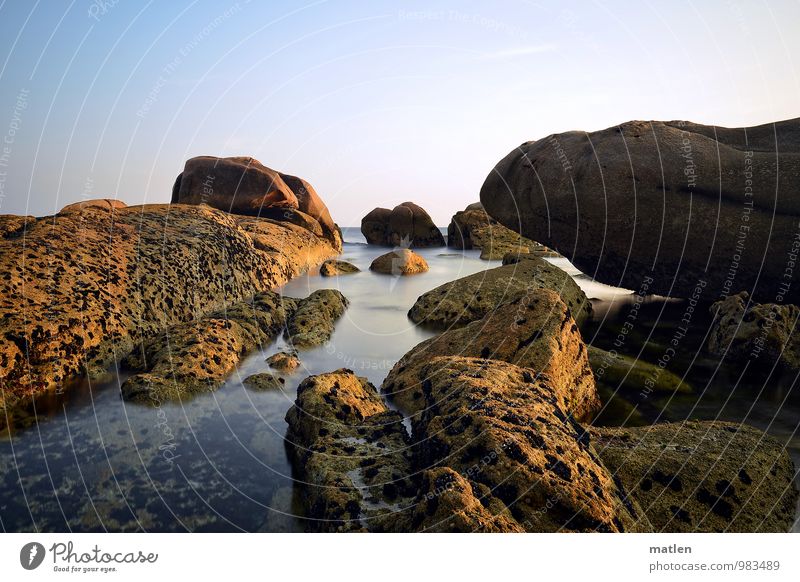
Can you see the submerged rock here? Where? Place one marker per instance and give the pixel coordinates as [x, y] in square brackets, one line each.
[763, 333]
[399, 262]
[535, 332]
[313, 322]
[621, 371]
[703, 476]
[406, 225]
[263, 381]
[471, 298]
[333, 268]
[672, 201]
[284, 361]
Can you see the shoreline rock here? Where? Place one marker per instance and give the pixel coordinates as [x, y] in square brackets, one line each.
[406, 225]
[399, 262]
[333, 268]
[313, 321]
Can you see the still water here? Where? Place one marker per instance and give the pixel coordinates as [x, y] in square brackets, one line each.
[87, 461]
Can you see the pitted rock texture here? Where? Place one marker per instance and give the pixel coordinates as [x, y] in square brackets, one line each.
[80, 289]
[263, 381]
[351, 454]
[313, 322]
[471, 298]
[197, 356]
[762, 333]
[243, 185]
[676, 201]
[535, 332]
[703, 476]
[399, 262]
[472, 228]
[333, 268]
[284, 361]
[406, 225]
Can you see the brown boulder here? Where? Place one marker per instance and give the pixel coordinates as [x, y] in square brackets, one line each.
[406, 225]
[332, 268]
[399, 262]
[313, 322]
[103, 204]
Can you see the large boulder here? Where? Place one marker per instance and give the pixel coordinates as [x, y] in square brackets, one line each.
[762, 333]
[470, 298]
[703, 476]
[243, 185]
[675, 202]
[536, 332]
[406, 225]
[399, 262]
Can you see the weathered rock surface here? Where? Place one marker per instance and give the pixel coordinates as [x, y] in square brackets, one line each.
[676, 201]
[197, 356]
[351, 453]
[703, 476]
[332, 268]
[470, 298]
[313, 322]
[472, 228]
[80, 289]
[399, 262]
[406, 225]
[626, 372]
[243, 185]
[263, 381]
[284, 361]
[763, 333]
[535, 332]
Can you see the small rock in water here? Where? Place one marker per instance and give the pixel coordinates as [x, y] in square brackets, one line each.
[399, 262]
[333, 267]
[284, 361]
[263, 381]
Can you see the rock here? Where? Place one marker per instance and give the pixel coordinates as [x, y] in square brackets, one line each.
[499, 426]
[101, 204]
[473, 228]
[80, 290]
[313, 322]
[195, 357]
[350, 453]
[536, 332]
[332, 268]
[284, 361]
[243, 185]
[406, 225]
[677, 202]
[399, 262]
[264, 381]
[624, 372]
[13, 226]
[763, 333]
[470, 298]
[703, 476]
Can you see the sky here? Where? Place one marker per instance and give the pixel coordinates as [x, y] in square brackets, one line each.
[375, 103]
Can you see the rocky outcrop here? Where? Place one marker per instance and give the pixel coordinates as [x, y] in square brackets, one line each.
[313, 322]
[762, 333]
[399, 262]
[284, 361]
[536, 332]
[677, 202]
[243, 185]
[406, 225]
[471, 298]
[333, 268]
[472, 228]
[634, 374]
[197, 356]
[351, 454]
[81, 289]
[703, 476]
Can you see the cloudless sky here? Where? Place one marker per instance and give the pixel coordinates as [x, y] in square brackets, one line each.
[374, 102]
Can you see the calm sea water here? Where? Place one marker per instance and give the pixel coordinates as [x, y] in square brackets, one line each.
[87, 461]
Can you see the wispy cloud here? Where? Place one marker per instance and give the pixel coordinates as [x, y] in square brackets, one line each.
[514, 53]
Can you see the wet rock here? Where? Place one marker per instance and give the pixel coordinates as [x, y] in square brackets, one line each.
[351, 454]
[399, 262]
[703, 476]
[243, 185]
[197, 356]
[82, 289]
[672, 201]
[470, 298]
[333, 268]
[313, 322]
[406, 225]
[264, 381]
[284, 361]
[763, 333]
[535, 332]
[497, 425]
[625, 372]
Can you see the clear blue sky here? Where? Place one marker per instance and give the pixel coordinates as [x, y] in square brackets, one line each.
[373, 103]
